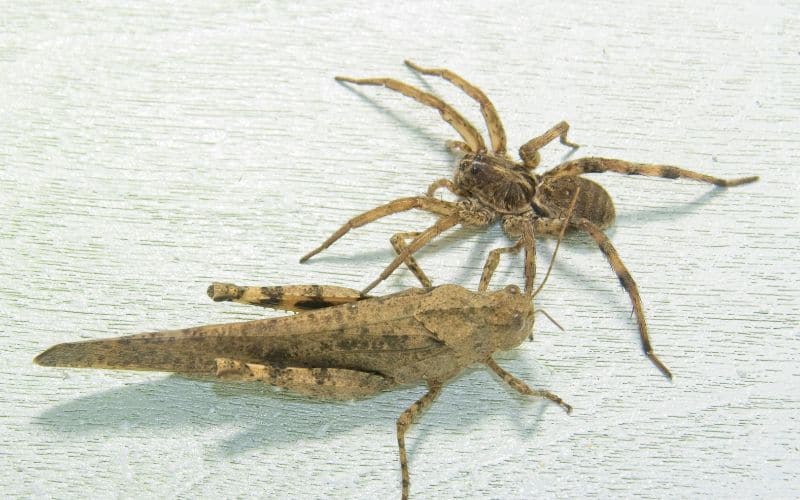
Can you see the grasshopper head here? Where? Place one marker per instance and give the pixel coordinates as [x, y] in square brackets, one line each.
[511, 319]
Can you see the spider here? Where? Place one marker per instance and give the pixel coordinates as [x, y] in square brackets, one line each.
[492, 187]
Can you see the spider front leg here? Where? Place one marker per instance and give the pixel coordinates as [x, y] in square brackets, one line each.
[496, 132]
[551, 226]
[399, 244]
[440, 184]
[465, 129]
[525, 227]
[600, 165]
[427, 204]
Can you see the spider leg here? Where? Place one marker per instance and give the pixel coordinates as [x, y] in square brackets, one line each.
[496, 133]
[432, 205]
[521, 227]
[457, 147]
[399, 244]
[425, 237]
[404, 421]
[600, 165]
[523, 388]
[442, 183]
[466, 130]
[622, 273]
[492, 261]
[529, 242]
[561, 233]
[529, 152]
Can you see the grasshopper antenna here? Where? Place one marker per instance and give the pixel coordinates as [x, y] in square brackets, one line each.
[558, 244]
[552, 320]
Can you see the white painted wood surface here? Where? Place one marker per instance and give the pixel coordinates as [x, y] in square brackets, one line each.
[147, 150]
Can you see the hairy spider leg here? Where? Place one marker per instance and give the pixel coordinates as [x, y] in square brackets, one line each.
[425, 203]
[493, 260]
[398, 242]
[494, 125]
[425, 237]
[465, 129]
[529, 152]
[594, 165]
[546, 226]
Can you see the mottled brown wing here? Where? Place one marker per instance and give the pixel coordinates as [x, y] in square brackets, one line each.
[372, 335]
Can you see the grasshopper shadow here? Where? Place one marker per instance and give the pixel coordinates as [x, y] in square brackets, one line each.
[265, 417]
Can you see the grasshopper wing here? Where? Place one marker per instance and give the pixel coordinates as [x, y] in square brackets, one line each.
[377, 335]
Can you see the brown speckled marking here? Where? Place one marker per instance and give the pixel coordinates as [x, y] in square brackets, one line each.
[348, 351]
[493, 187]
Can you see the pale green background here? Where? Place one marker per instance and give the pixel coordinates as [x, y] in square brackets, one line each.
[148, 149]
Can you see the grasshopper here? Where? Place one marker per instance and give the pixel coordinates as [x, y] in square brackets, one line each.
[351, 350]
[343, 345]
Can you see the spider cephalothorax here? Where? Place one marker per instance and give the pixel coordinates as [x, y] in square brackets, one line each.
[497, 183]
[492, 187]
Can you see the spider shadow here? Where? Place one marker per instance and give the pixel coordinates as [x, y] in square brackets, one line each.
[263, 416]
[423, 82]
[415, 129]
[659, 214]
[583, 244]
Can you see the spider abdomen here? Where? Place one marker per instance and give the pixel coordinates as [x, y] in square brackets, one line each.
[594, 203]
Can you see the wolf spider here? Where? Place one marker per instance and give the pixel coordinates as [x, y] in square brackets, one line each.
[491, 186]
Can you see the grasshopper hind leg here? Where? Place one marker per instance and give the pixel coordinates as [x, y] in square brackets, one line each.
[328, 383]
[295, 298]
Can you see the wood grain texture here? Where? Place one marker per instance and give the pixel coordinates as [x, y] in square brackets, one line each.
[147, 151]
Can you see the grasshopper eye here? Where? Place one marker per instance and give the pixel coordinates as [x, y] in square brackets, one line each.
[512, 290]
